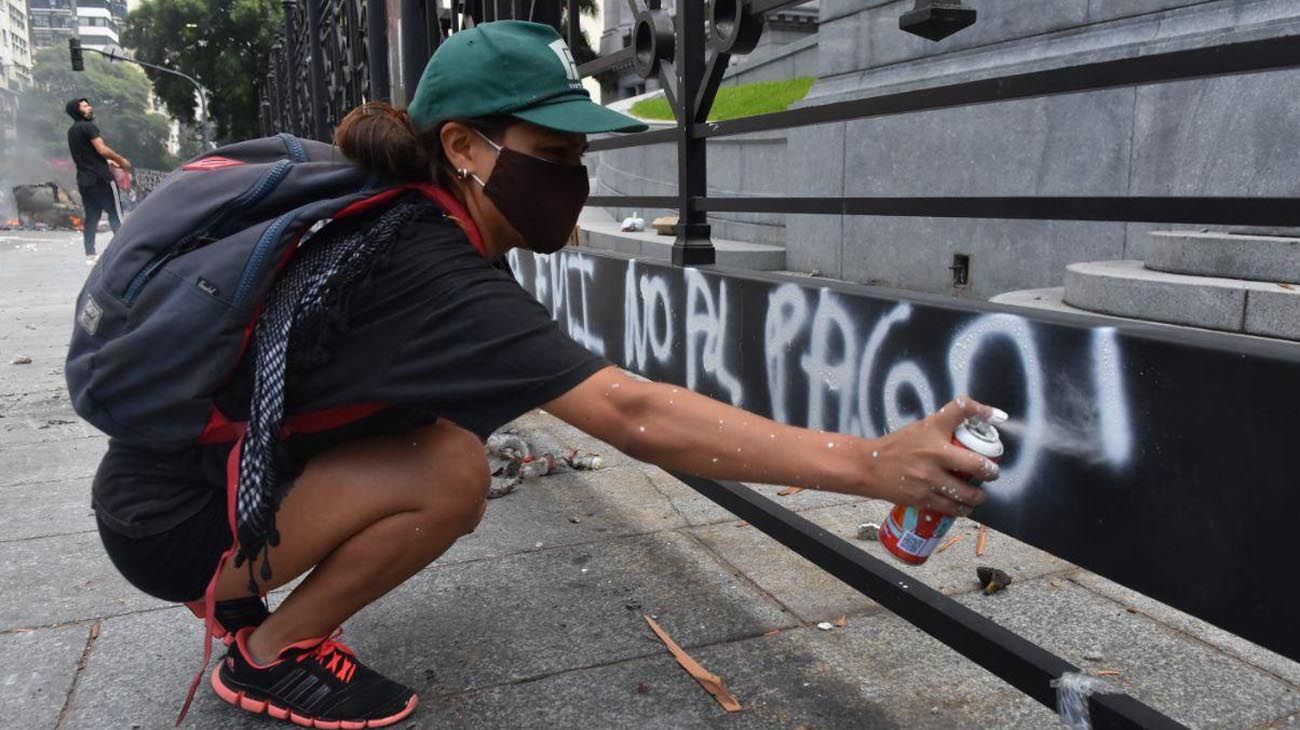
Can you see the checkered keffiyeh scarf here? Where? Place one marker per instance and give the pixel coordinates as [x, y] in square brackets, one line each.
[314, 277]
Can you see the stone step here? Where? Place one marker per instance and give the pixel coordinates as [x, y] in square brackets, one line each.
[1129, 289]
[598, 230]
[1228, 255]
[1052, 299]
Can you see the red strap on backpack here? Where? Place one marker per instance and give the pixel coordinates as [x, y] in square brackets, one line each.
[456, 212]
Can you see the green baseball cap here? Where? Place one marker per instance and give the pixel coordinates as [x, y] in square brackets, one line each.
[513, 68]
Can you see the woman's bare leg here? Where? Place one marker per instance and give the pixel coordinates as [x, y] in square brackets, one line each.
[366, 515]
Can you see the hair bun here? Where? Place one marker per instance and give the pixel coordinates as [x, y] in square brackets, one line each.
[382, 139]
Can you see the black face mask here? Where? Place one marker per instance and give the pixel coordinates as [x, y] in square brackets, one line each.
[540, 198]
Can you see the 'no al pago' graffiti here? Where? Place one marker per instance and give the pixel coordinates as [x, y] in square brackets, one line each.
[1151, 455]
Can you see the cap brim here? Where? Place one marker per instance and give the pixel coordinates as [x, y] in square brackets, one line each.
[579, 114]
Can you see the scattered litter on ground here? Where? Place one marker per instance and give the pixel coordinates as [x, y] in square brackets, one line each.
[21, 360]
[982, 541]
[1108, 672]
[642, 688]
[826, 626]
[992, 580]
[584, 462]
[1130, 609]
[711, 683]
[1286, 286]
[771, 632]
[1055, 583]
[1072, 692]
[514, 457]
[789, 491]
[633, 223]
[575, 520]
[869, 531]
[742, 523]
[665, 225]
[1094, 655]
[949, 543]
[841, 621]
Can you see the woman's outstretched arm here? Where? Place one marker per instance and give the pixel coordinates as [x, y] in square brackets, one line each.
[681, 430]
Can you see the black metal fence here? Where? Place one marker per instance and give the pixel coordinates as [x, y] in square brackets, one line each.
[329, 58]
[144, 181]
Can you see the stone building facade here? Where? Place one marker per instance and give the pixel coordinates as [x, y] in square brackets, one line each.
[15, 68]
[1232, 135]
[52, 21]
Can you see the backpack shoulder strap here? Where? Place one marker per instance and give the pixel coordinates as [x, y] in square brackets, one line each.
[454, 211]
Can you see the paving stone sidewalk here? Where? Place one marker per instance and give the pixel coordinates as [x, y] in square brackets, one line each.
[535, 621]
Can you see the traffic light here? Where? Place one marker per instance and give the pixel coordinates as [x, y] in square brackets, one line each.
[74, 48]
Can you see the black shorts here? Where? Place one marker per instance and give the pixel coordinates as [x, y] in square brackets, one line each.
[175, 565]
[162, 517]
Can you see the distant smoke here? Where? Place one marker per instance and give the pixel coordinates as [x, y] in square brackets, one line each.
[22, 165]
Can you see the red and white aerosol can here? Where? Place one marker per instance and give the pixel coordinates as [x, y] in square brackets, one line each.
[912, 534]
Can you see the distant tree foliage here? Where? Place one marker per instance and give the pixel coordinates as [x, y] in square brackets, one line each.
[119, 92]
[222, 43]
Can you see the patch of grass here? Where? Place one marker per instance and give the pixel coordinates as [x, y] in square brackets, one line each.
[733, 102]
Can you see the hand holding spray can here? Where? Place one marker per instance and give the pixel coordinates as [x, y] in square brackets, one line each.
[911, 534]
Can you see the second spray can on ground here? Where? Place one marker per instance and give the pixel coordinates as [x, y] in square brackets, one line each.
[912, 534]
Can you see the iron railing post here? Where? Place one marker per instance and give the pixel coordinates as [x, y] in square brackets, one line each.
[376, 34]
[270, 101]
[290, 46]
[573, 21]
[320, 127]
[415, 45]
[278, 75]
[693, 246]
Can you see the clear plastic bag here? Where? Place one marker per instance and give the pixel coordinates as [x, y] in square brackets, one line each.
[1072, 692]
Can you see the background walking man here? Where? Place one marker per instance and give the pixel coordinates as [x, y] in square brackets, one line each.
[94, 179]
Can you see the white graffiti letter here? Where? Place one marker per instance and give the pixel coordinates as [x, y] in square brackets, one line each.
[580, 326]
[634, 335]
[641, 304]
[961, 355]
[709, 323]
[654, 297]
[787, 310]
[540, 288]
[1112, 405]
[515, 259]
[826, 376]
[906, 374]
[869, 355]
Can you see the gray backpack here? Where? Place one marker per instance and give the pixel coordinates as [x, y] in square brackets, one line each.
[166, 313]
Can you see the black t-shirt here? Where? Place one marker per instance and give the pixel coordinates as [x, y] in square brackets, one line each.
[91, 166]
[433, 331]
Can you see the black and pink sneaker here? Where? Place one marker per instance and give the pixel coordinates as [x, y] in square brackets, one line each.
[314, 683]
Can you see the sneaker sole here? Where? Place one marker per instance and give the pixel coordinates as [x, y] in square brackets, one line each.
[257, 707]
